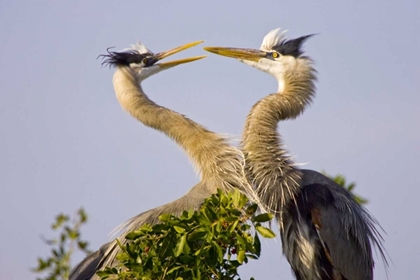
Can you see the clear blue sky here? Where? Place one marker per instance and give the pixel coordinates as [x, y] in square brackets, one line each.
[65, 142]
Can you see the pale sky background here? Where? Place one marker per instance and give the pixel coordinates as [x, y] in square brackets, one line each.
[65, 142]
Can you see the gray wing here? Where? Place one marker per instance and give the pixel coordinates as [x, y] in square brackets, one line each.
[346, 229]
[106, 255]
[345, 250]
[88, 267]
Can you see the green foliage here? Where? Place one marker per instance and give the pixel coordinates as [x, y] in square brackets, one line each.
[58, 264]
[341, 180]
[207, 244]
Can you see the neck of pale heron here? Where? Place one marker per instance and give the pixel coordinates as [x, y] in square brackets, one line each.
[218, 163]
[268, 164]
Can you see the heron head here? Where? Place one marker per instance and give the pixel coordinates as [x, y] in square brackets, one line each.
[143, 63]
[276, 56]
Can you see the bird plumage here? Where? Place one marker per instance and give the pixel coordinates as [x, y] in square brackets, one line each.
[219, 164]
[325, 233]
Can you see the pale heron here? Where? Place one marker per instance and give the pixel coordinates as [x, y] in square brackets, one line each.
[219, 164]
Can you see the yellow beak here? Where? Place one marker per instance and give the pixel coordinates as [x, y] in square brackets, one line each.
[246, 54]
[173, 63]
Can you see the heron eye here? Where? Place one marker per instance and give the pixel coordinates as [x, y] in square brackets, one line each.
[275, 54]
[145, 61]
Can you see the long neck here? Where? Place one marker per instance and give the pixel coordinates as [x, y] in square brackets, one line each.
[268, 165]
[218, 163]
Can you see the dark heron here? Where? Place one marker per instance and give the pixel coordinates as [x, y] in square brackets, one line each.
[325, 233]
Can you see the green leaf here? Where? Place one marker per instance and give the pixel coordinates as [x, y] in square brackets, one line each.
[257, 245]
[179, 229]
[59, 220]
[219, 226]
[241, 256]
[211, 216]
[209, 236]
[240, 241]
[73, 234]
[251, 256]
[187, 248]
[202, 219]
[83, 216]
[165, 217]
[134, 235]
[82, 244]
[197, 234]
[219, 252]
[231, 219]
[251, 209]
[262, 218]
[103, 274]
[180, 245]
[174, 269]
[236, 197]
[198, 252]
[244, 200]
[265, 232]
[233, 227]
[360, 200]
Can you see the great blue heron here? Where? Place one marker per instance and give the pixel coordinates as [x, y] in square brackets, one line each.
[325, 233]
[219, 164]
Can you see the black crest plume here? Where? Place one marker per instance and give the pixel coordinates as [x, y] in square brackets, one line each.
[292, 47]
[122, 58]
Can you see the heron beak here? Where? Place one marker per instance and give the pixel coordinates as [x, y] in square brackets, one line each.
[245, 54]
[169, 64]
[162, 55]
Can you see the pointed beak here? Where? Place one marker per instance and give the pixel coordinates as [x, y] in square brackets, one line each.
[245, 54]
[162, 55]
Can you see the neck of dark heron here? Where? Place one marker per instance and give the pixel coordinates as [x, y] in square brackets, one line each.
[215, 160]
[268, 164]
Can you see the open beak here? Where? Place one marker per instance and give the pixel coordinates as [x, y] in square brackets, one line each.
[245, 54]
[173, 63]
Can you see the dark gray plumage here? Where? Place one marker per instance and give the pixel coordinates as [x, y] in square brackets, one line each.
[340, 231]
[292, 47]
